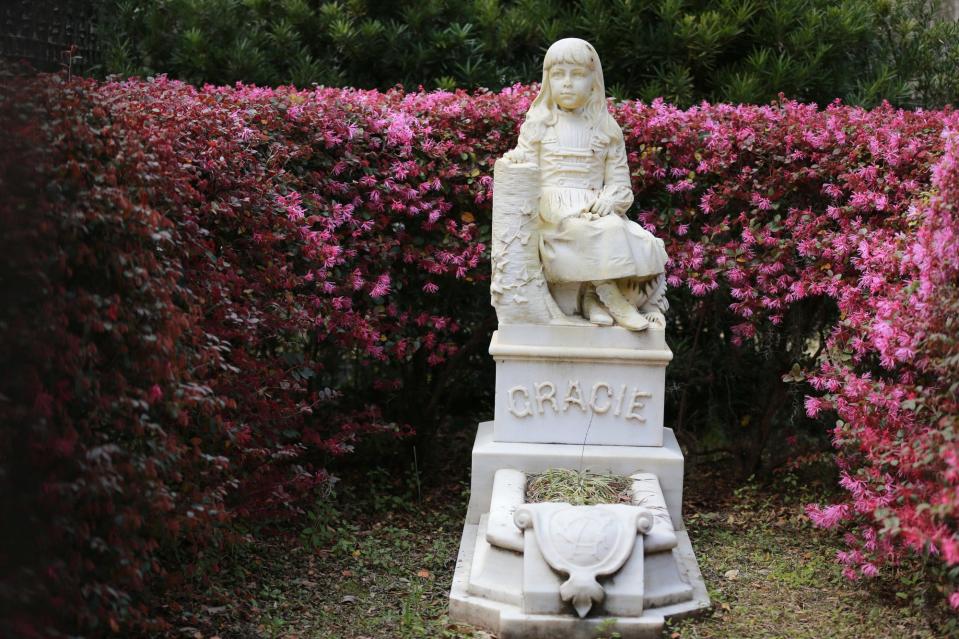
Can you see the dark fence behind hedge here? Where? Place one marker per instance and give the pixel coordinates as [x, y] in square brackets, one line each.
[48, 33]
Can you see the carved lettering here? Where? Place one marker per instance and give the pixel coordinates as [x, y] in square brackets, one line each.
[595, 396]
[574, 396]
[624, 402]
[510, 399]
[636, 403]
[619, 404]
[545, 392]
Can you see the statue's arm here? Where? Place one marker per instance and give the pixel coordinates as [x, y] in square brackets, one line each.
[527, 148]
[617, 190]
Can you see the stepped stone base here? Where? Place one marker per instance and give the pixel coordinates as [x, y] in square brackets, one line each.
[490, 578]
[508, 621]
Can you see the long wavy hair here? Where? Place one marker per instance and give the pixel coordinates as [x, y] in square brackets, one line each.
[542, 112]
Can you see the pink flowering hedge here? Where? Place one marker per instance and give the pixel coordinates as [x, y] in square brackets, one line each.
[892, 376]
[214, 292]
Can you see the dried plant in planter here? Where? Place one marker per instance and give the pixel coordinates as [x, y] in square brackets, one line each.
[579, 488]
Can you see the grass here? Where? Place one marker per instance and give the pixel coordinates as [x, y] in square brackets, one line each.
[771, 575]
[578, 487]
[377, 563]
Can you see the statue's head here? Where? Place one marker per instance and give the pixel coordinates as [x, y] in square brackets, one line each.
[572, 78]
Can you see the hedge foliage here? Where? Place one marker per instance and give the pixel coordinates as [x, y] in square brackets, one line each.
[862, 51]
[219, 290]
[203, 275]
[897, 436]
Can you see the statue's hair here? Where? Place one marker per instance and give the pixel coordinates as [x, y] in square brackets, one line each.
[542, 112]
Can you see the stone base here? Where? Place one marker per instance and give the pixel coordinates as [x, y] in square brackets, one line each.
[508, 621]
[669, 584]
[666, 462]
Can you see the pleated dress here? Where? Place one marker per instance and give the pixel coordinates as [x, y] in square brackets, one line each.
[578, 164]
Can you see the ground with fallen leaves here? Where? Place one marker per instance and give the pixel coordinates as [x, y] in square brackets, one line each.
[376, 561]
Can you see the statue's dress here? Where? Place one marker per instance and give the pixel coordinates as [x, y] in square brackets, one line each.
[579, 163]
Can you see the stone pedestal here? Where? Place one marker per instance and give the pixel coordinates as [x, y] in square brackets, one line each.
[584, 398]
[579, 385]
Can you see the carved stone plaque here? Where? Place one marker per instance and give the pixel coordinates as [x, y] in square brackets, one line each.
[584, 542]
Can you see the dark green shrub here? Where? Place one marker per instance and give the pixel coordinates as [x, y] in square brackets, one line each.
[684, 51]
[921, 49]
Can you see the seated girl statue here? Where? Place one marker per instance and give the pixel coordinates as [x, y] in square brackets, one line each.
[614, 265]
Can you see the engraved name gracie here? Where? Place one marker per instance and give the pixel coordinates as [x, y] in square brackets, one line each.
[624, 401]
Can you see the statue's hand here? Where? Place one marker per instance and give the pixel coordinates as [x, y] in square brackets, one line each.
[601, 208]
[516, 156]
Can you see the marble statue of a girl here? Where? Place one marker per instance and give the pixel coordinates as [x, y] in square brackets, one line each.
[586, 244]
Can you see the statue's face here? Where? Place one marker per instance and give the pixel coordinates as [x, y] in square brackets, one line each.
[570, 85]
